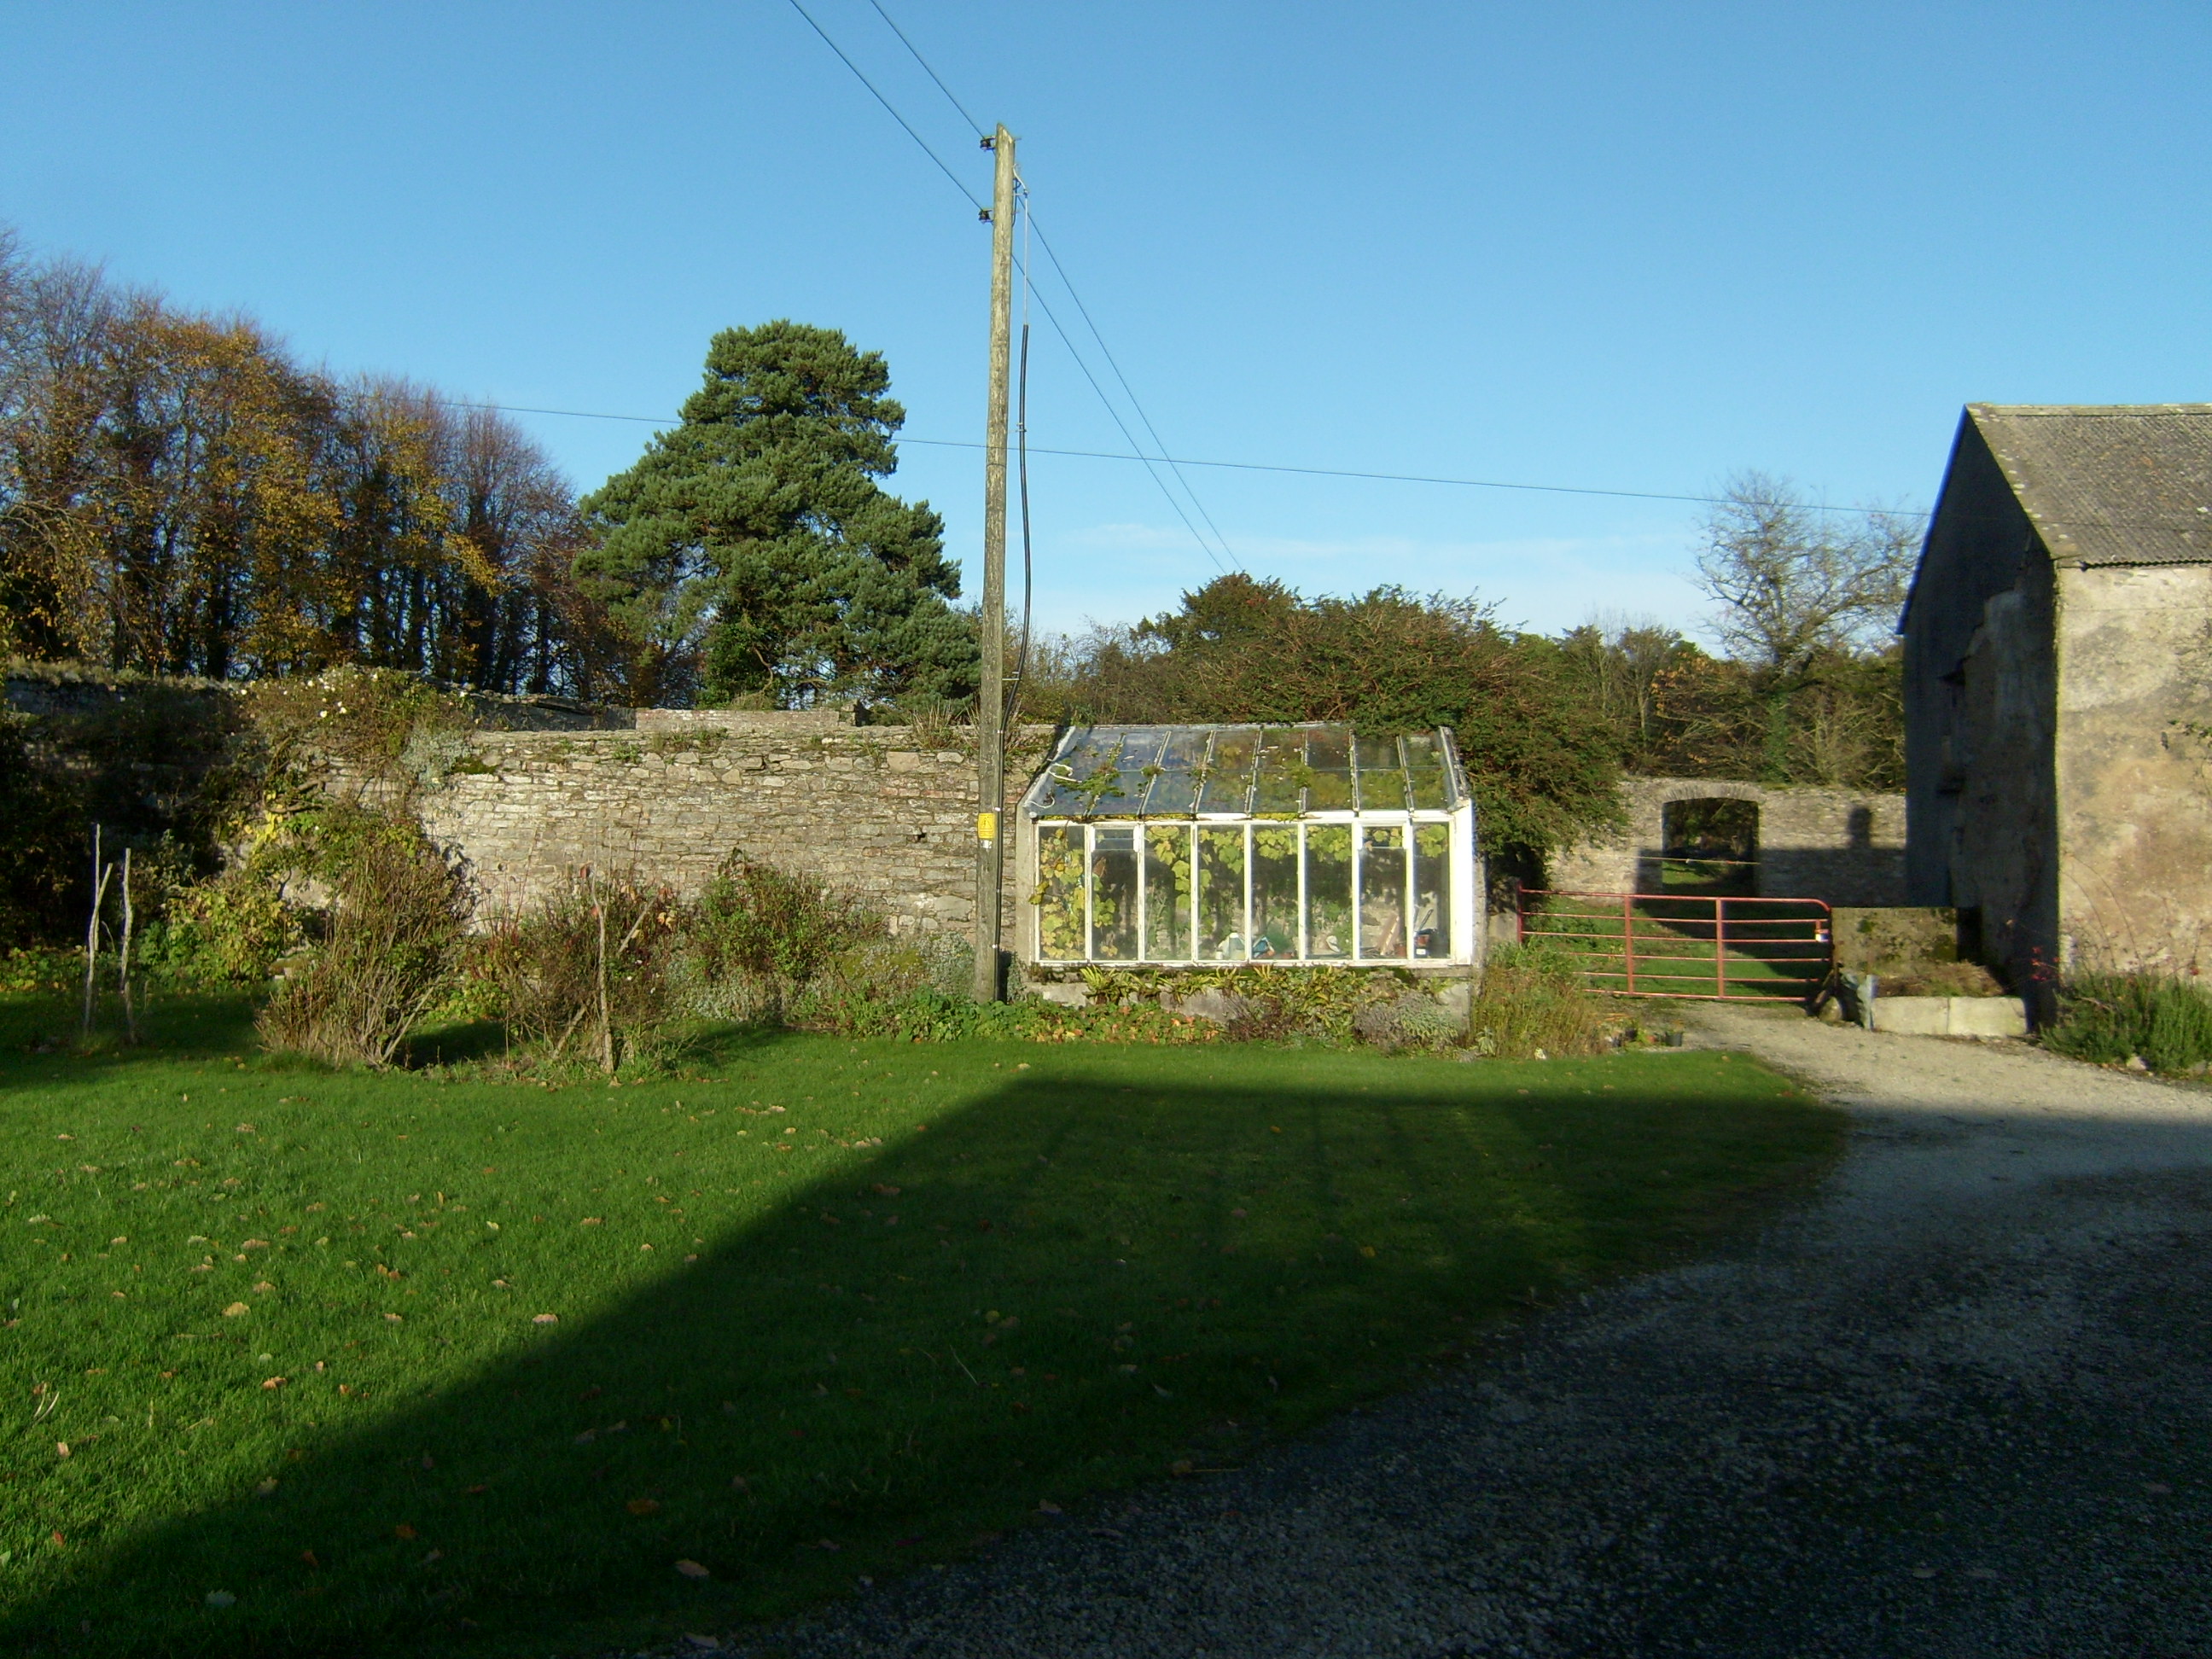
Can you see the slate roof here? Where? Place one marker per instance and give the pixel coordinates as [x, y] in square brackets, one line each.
[2115, 484]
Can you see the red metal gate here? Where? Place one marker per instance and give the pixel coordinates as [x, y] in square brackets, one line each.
[1669, 945]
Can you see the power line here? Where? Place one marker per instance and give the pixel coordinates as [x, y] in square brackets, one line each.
[1065, 338]
[926, 69]
[1159, 443]
[887, 104]
[1264, 466]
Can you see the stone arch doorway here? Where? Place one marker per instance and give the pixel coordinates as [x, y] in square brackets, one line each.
[1708, 844]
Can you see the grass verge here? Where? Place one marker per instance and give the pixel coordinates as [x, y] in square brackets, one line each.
[819, 1308]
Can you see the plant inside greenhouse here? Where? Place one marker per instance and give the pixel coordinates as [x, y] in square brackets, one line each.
[1250, 843]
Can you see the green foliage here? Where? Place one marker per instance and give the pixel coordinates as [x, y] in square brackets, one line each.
[1533, 1003]
[231, 930]
[372, 732]
[1539, 759]
[589, 968]
[2107, 1018]
[755, 918]
[754, 550]
[388, 942]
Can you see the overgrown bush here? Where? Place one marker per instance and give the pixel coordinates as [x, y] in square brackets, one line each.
[588, 971]
[2108, 1019]
[760, 936]
[388, 941]
[1533, 1002]
[232, 930]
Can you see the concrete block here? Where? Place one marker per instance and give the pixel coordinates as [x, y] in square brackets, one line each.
[1972, 1017]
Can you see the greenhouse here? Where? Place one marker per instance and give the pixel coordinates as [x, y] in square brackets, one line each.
[1190, 844]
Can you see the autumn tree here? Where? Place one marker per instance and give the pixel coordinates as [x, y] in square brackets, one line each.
[179, 494]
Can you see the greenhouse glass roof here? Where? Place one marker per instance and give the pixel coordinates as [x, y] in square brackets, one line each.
[1243, 771]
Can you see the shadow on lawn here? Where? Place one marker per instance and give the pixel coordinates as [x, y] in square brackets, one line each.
[874, 1416]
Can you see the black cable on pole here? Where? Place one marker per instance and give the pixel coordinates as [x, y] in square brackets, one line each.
[1021, 454]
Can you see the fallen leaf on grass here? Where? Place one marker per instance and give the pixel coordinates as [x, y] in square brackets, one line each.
[266, 1488]
[274, 1383]
[471, 1491]
[221, 1599]
[643, 1506]
[884, 1190]
[545, 1319]
[61, 1449]
[263, 1288]
[235, 1310]
[1046, 1506]
[308, 1556]
[830, 1543]
[403, 1530]
[395, 1318]
[692, 1569]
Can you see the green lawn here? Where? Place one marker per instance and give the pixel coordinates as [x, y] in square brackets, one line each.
[820, 1309]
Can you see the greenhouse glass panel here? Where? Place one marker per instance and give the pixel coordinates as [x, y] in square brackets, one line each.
[1329, 770]
[1328, 892]
[1432, 905]
[1173, 794]
[1059, 892]
[1282, 781]
[1429, 788]
[1382, 892]
[1140, 747]
[1229, 771]
[1114, 893]
[1274, 891]
[1379, 753]
[1221, 893]
[1184, 749]
[1167, 893]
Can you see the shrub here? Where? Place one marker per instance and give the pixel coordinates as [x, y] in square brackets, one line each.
[233, 930]
[388, 942]
[760, 936]
[1532, 1000]
[2107, 1018]
[592, 961]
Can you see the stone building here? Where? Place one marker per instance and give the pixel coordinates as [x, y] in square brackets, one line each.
[2059, 688]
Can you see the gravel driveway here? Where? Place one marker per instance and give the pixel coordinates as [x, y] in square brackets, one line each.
[1959, 1407]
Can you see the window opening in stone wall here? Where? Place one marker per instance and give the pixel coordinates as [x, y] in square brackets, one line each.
[1709, 845]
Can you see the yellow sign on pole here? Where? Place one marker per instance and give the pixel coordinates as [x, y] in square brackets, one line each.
[987, 827]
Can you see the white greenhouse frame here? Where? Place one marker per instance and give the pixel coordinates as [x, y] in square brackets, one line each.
[1130, 829]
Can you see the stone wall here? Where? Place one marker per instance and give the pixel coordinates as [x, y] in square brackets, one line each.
[863, 807]
[1844, 846]
[2133, 768]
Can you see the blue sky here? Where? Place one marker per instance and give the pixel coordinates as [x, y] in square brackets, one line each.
[1634, 247]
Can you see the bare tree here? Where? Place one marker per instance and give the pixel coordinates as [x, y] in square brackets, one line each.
[1792, 581]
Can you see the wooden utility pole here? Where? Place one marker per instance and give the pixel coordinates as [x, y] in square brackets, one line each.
[990, 696]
